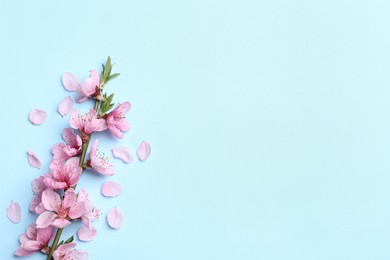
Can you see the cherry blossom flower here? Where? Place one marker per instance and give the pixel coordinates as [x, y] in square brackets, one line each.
[68, 252]
[87, 232]
[34, 240]
[91, 85]
[71, 147]
[87, 123]
[116, 120]
[36, 203]
[91, 213]
[89, 88]
[59, 211]
[63, 175]
[99, 162]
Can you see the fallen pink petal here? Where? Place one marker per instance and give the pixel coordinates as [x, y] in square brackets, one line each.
[115, 218]
[123, 153]
[111, 189]
[37, 117]
[87, 234]
[33, 159]
[144, 150]
[70, 81]
[65, 106]
[13, 212]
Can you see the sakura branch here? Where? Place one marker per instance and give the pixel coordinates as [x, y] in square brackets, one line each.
[57, 201]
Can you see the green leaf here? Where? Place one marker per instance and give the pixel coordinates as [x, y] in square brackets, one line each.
[106, 105]
[106, 74]
[69, 240]
[103, 79]
[108, 68]
[109, 99]
[111, 106]
[113, 76]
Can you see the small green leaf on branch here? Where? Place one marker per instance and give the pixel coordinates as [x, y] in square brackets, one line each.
[106, 104]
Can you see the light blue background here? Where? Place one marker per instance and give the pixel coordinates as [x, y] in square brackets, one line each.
[269, 123]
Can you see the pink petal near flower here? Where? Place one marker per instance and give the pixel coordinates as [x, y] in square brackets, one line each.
[91, 213]
[144, 150]
[111, 189]
[91, 85]
[33, 159]
[13, 212]
[99, 162]
[87, 234]
[115, 218]
[70, 81]
[45, 219]
[23, 252]
[67, 252]
[65, 106]
[37, 117]
[51, 200]
[123, 153]
[36, 204]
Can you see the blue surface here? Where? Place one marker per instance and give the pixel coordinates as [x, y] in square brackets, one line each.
[269, 123]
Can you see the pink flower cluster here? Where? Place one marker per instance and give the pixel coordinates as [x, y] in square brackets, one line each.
[56, 199]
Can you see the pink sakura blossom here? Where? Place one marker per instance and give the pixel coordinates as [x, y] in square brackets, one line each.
[99, 162]
[34, 240]
[87, 232]
[68, 252]
[91, 85]
[71, 147]
[58, 212]
[63, 175]
[87, 123]
[116, 120]
[91, 213]
[36, 203]
[89, 88]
